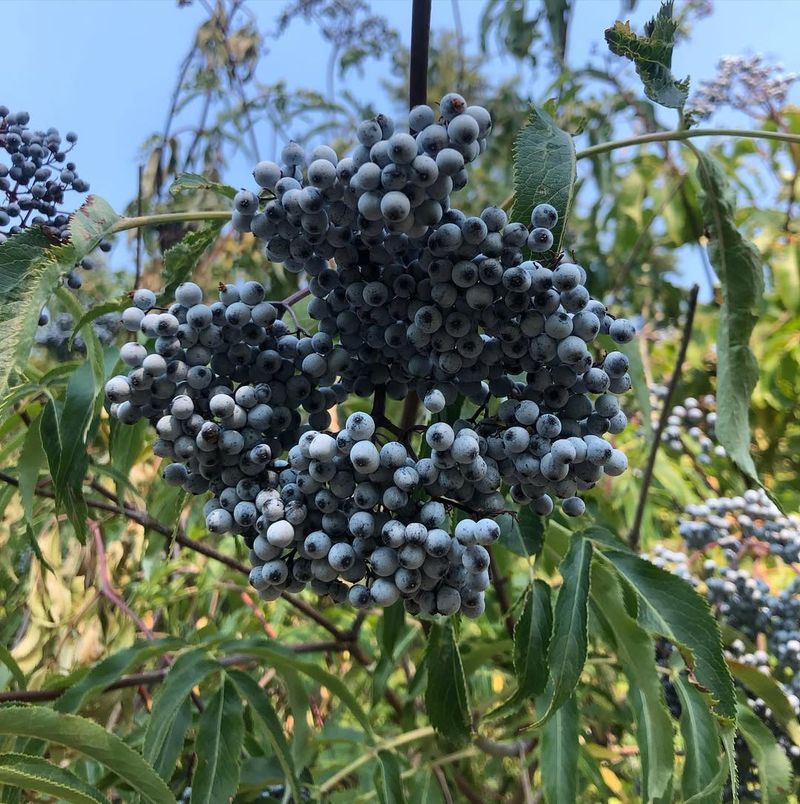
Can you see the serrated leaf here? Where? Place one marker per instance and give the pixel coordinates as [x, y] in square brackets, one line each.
[531, 642]
[90, 739]
[730, 751]
[218, 747]
[652, 56]
[544, 173]
[559, 754]
[90, 224]
[258, 701]
[36, 775]
[739, 267]
[774, 768]
[16, 255]
[174, 743]
[189, 669]
[446, 698]
[110, 669]
[569, 640]
[671, 608]
[194, 182]
[636, 652]
[387, 780]
[181, 260]
[701, 739]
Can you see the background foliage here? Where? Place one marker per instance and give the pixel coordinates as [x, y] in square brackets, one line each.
[149, 668]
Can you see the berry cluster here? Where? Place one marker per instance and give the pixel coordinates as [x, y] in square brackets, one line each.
[412, 297]
[55, 334]
[34, 183]
[690, 426]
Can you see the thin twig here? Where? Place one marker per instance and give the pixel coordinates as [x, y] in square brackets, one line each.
[139, 233]
[647, 477]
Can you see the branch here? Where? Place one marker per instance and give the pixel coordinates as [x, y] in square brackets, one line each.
[418, 61]
[647, 477]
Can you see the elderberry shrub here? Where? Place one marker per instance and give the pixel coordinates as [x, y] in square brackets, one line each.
[36, 177]
[409, 296]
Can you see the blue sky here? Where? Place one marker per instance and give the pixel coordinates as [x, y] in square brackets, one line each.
[106, 68]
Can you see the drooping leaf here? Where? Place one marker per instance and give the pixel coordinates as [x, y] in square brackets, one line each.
[90, 739]
[671, 608]
[740, 269]
[257, 699]
[391, 627]
[110, 669]
[557, 12]
[189, 669]
[701, 739]
[181, 260]
[559, 754]
[10, 662]
[173, 745]
[525, 536]
[31, 458]
[388, 784]
[33, 774]
[569, 640]
[446, 698]
[636, 652]
[218, 747]
[544, 172]
[193, 182]
[765, 687]
[652, 56]
[94, 351]
[774, 768]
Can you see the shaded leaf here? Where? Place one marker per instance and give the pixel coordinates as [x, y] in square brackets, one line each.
[173, 745]
[16, 671]
[774, 768]
[388, 784]
[262, 708]
[544, 172]
[701, 780]
[525, 537]
[652, 56]
[31, 458]
[559, 754]
[16, 255]
[188, 670]
[446, 699]
[218, 747]
[740, 269]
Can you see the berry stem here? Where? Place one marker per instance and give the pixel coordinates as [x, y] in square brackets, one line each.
[159, 219]
[647, 477]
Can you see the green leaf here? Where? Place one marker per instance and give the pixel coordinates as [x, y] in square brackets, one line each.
[281, 659]
[173, 746]
[194, 182]
[557, 12]
[110, 669]
[388, 784]
[391, 627]
[259, 702]
[220, 735]
[652, 56]
[94, 351]
[525, 537]
[446, 698]
[181, 260]
[568, 643]
[739, 266]
[37, 775]
[765, 687]
[730, 751]
[670, 607]
[16, 255]
[97, 310]
[636, 654]
[189, 669]
[701, 740]
[559, 754]
[31, 458]
[90, 739]
[16, 671]
[774, 768]
[93, 222]
[544, 172]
